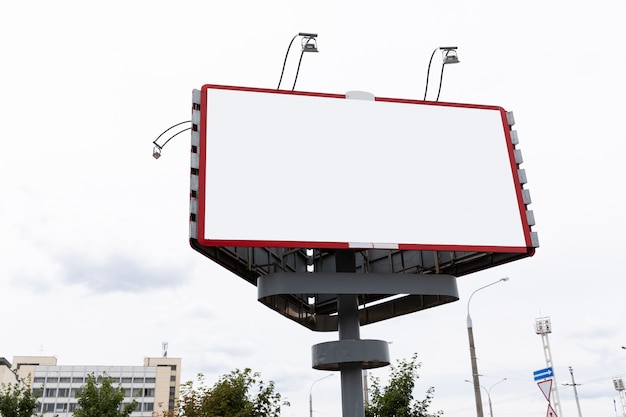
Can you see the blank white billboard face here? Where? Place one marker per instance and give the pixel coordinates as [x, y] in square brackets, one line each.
[283, 169]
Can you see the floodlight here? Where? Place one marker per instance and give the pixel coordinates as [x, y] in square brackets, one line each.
[449, 56]
[156, 152]
[309, 45]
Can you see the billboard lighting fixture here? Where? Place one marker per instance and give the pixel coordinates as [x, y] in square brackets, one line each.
[308, 44]
[449, 56]
[156, 150]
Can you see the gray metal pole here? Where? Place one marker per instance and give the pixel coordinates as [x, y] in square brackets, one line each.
[351, 373]
[470, 334]
[349, 329]
[475, 379]
[489, 396]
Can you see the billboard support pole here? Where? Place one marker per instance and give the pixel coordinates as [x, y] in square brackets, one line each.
[349, 329]
[351, 372]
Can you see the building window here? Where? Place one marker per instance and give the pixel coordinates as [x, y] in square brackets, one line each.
[65, 379]
[63, 392]
[53, 380]
[138, 380]
[78, 380]
[148, 392]
[72, 407]
[60, 408]
[150, 380]
[51, 392]
[137, 409]
[127, 380]
[74, 392]
[127, 392]
[137, 392]
[48, 408]
[148, 407]
[39, 380]
[173, 367]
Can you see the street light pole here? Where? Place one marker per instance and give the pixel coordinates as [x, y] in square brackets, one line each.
[311, 393]
[472, 347]
[489, 396]
[488, 391]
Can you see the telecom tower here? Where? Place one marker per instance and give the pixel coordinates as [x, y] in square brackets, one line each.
[543, 328]
[618, 383]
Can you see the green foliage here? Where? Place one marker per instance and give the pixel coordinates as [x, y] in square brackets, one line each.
[98, 398]
[17, 400]
[231, 396]
[396, 399]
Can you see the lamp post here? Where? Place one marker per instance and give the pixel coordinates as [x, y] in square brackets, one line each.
[489, 393]
[489, 396]
[311, 394]
[470, 334]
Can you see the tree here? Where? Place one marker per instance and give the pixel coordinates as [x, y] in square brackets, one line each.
[98, 398]
[396, 399]
[231, 396]
[17, 400]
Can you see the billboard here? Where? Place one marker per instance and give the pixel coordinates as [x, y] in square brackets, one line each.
[284, 185]
[283, 169]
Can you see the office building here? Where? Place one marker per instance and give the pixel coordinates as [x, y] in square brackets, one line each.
[155, 385]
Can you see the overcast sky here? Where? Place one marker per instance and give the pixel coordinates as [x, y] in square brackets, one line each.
[95, 265]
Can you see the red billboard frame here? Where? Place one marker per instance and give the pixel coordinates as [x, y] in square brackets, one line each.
[513, 162]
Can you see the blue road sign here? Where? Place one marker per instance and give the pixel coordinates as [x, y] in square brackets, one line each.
[543, 373]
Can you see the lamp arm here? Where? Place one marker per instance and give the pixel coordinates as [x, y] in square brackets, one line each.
[428, 71]
[174, 135]
[297, 71]
[285, 61]
[167, 130]
[440, 81]
[469, 319]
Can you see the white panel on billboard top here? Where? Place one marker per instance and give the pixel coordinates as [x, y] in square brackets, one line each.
[310, 170]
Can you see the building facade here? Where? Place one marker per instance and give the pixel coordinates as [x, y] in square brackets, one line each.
[7, 376]
[155, 385]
